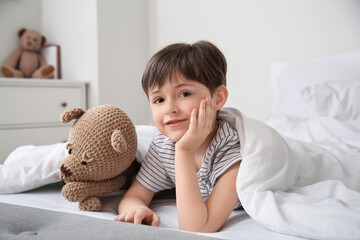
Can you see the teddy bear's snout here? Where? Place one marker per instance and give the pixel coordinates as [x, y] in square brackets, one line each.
[66, 172]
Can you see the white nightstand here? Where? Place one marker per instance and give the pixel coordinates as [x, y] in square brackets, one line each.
[30, 111]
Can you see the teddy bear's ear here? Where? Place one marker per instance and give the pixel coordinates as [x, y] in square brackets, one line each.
[118, 141]
[70, 114]
[43, 40]
[21, 32]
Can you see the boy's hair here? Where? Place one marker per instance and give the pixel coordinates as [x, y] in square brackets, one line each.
[202, 62]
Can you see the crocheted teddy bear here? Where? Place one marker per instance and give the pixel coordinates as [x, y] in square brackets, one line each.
[102, 147]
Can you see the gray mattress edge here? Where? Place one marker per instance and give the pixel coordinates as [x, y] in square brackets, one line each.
[19, 222]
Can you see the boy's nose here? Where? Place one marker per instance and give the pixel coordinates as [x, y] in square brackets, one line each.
[172, 108]
[175, 110]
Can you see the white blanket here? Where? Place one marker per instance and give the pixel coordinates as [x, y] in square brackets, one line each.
[295, 187]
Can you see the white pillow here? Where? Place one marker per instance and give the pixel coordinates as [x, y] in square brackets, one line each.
[29, 167]
[288, 78]
[145, 136]
[340, 100]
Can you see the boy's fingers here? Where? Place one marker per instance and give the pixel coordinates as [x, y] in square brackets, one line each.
[155, 220]
[120, 217]
[202, 113]
[193, 120]
[138, 218]
[210, 114]
[129, 218]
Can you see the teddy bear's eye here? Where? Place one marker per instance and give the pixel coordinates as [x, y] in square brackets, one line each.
[83, 163]
[35, 40]
[69, 151]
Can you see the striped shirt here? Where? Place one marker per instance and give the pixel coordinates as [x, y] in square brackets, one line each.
[157, 172]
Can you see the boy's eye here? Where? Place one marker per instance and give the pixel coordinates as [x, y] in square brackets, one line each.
[185, 94]
[158, 100]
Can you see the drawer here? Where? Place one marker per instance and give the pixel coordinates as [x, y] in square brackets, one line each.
[11, 139]
[37, 105]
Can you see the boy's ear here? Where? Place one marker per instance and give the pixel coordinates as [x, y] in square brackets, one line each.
[221, 97]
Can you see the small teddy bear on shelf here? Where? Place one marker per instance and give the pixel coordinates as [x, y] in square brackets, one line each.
[102, 146]
[27, 62]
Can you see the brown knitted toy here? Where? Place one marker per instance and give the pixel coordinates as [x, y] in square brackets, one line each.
[102, 147]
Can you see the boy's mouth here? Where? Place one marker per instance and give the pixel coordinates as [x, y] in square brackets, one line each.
[174, 122]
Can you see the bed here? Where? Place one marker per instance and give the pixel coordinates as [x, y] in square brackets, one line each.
[299, 179]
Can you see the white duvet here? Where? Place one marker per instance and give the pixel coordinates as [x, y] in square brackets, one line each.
[300, 188]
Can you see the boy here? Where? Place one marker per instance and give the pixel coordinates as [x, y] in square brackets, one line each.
[192, 149]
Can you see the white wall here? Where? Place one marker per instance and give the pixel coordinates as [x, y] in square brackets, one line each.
[123, 49]
[252, 33]
[73, 25]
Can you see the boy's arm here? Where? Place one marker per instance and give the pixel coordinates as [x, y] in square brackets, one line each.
[133, 207]
[194, 214]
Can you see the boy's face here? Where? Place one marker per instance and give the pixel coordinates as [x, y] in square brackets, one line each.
[172, 104]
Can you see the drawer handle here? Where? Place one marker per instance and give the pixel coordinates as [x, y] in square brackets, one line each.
[64, 104]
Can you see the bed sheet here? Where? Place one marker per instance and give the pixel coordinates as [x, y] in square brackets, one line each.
[238, 226]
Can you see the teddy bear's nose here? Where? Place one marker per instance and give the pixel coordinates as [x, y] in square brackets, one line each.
[29, 43]
[65, 171]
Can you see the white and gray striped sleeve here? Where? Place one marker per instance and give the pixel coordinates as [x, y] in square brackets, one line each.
[229, 153]
[152, 174]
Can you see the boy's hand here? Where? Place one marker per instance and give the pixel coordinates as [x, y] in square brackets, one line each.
[141, 215]
[201, 125]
